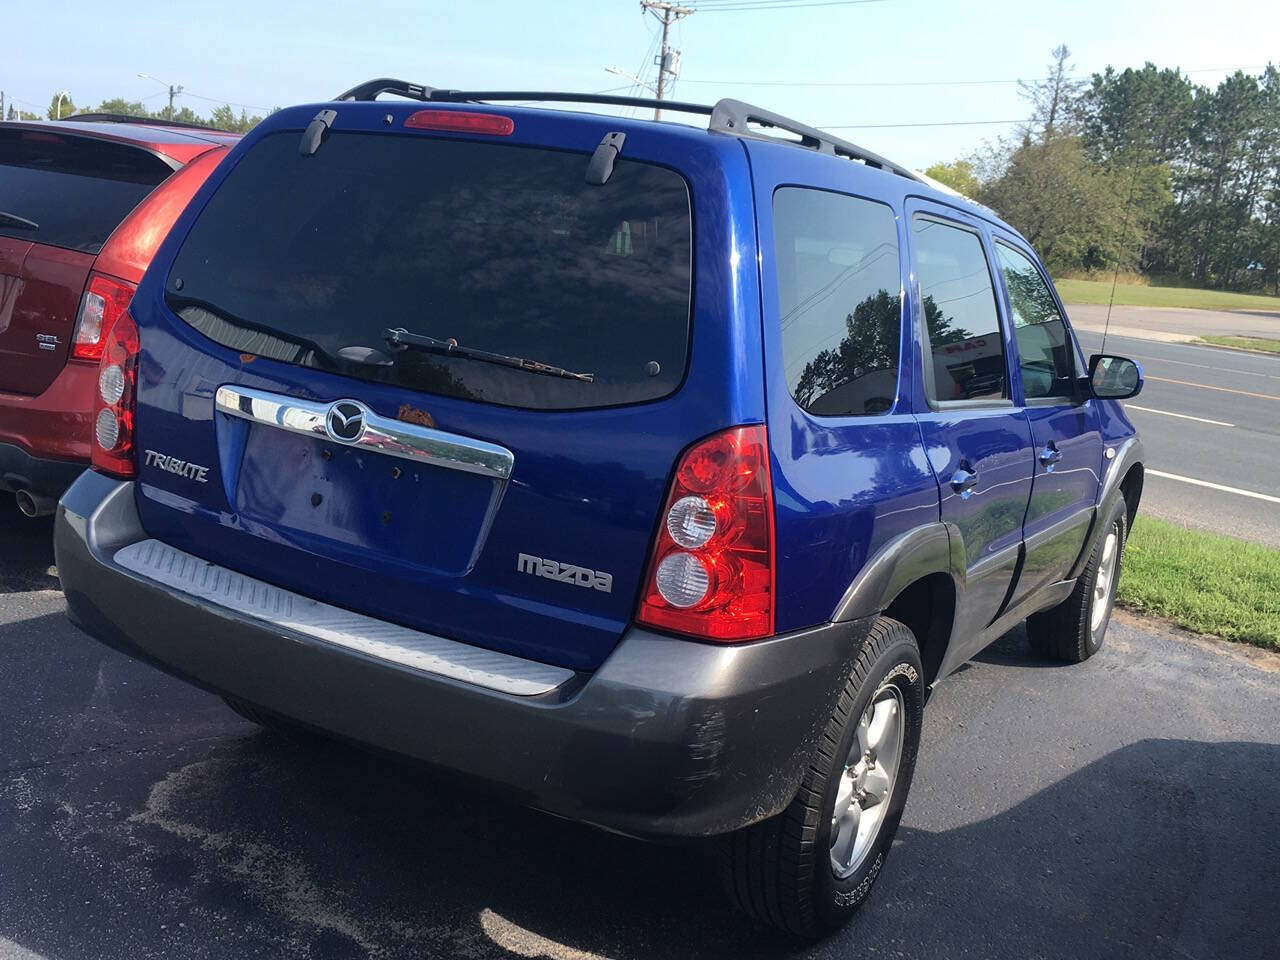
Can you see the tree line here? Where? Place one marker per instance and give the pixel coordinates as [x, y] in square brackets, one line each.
[1141, 171]
[221, 118]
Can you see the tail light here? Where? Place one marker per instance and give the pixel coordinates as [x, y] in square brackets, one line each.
[105, 301]
[112, 449]
[712, 571]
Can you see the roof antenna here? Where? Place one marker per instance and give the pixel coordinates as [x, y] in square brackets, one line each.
[1124, 228]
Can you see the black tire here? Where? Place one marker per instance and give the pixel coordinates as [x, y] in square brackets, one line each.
[780, 871]
[1066, 632]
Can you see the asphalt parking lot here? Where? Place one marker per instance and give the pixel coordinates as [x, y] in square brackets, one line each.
[1123, 808]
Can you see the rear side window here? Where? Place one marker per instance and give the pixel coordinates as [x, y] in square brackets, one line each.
[75, 190]
[1046, 354]
[839, 300]
[959, 304]
[505, 249]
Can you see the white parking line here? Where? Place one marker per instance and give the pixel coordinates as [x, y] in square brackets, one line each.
[1180, 416]
[1214, 486]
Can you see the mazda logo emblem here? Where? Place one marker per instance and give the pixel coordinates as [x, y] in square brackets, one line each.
[344, 421]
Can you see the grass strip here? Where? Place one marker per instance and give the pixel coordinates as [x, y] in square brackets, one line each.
[1264, 344]
[1203, 581]
[1135, 295]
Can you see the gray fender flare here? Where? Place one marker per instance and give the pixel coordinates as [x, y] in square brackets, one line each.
[933, 548]
[1126, 456]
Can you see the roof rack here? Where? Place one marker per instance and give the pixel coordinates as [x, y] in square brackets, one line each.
[145, 121]
[726, 116]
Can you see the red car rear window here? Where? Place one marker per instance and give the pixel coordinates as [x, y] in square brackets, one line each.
[70, 191]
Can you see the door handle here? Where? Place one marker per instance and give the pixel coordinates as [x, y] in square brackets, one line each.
[963, 481]
[1050, 455]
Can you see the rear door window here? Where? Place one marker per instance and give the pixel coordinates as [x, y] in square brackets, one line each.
[959, 303]
[839, 300]
[74, 189]
[502, 248]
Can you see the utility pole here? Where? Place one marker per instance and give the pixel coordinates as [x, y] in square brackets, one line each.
[668, 60]
[174, 90]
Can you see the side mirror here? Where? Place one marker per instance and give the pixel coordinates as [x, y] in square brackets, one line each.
[1114, 378]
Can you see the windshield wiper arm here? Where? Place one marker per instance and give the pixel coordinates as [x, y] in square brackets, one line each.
[401, 339]
[13, 220]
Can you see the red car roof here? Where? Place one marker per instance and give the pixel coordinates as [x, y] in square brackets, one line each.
[180, 144]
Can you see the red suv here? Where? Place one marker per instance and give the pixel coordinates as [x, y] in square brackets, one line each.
[83, 207]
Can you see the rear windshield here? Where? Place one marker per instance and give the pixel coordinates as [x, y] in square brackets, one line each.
[501, 248]
[75, 190]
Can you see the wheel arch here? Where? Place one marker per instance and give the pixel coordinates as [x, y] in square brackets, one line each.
[1124, 478]
[915, 578]
[1131, 490]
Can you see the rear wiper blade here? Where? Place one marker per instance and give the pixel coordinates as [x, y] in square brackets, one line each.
[13, 220]
[401, 339]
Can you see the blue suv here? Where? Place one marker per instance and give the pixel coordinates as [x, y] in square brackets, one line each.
[652, 473]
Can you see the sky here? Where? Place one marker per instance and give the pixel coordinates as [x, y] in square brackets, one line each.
[858, 69]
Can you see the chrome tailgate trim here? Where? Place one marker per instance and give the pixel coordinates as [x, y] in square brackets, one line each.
[379, 435]
[389, 642]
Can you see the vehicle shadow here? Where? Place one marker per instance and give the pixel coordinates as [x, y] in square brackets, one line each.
[257, 844]
[26, 550]
[1014, 650]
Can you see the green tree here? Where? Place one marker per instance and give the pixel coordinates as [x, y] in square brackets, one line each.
[224, 118]
[184, 115]
[128, 108]
[1070, 209]
[1147, 112]
[959, 176]
[1266, 243]
[1231, 171]
[1055, 100]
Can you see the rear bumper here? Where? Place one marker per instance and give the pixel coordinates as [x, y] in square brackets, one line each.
[668, 738]
[44, 439]
[19, 470]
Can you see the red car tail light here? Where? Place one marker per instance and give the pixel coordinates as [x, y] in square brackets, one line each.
[112, 448]
[493, 124]
[105, 301]
[712, 571]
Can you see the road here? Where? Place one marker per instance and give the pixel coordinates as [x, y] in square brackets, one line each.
[1175, 323]
[1123, 808]
[1209, 415]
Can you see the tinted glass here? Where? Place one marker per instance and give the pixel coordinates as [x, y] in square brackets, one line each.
[839, 300]
[75, 189]
[960, 312]
[1046, 355]
[502, 248]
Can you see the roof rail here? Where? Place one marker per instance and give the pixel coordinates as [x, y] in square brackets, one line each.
[727, 116]
[145, 121]
[370, 89]
[734, 116]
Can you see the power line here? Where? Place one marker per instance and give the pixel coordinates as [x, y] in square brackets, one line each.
[710, 6]
[230, 103]
[935, 123]
[926, 83]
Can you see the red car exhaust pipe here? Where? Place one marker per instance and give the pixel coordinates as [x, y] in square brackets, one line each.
[34, 504]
